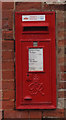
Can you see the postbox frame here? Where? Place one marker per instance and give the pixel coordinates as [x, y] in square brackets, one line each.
[18, 82]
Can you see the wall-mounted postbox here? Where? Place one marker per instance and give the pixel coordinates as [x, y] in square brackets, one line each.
[35, 60]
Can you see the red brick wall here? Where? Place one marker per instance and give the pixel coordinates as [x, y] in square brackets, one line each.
[8, 59]
[0, 61]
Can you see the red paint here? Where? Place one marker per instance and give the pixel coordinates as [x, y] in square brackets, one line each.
[37, 89]
[26, 18]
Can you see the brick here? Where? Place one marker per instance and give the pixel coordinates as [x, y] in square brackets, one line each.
[7, 5]
[0, 10]
[0, 105]
[63, 76]
[65, 51]
[61, 60]
[64, 15]
[59, 113]
[0, 85]
[0, 75]
[65, 42]
[28, 6]
[0, 115]
[8, 85]
[7, 55]
[16, 114]
[58, 75]
[0, 57]
[7, 24]
[8, 95]
[1, 34]
[61, 94]
[65, 110]
[64, 94]
[61, 43]
[7, 75]
[61, 25]
[35, 114]
[61, 85]
[0, 65]
[8, 45]
[53, 7]
[0, 24]
[7, 35]
[8, 104]
[0, 95]
[60, 15]
[0, 44]
[7, 15]
[63, 68]
[61, 35]
[7, 19]
[60, 52]
[64, 85]
[60, 104]
[8, 65]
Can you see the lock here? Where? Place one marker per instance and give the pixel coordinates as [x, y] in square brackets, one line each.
[29, 77]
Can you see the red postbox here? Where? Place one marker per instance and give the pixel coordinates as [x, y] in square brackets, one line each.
[35, 60]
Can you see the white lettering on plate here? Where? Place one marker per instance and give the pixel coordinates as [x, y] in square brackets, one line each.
[33, 17]
[35, 59]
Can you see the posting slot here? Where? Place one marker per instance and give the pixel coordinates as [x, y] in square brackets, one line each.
[35, 28]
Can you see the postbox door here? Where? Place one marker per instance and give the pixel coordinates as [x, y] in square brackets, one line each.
[36, 80]
[35, 63]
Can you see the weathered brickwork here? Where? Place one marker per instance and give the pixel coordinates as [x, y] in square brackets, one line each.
[8, 59]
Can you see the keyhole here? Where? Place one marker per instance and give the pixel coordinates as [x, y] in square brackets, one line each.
[27, 75]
